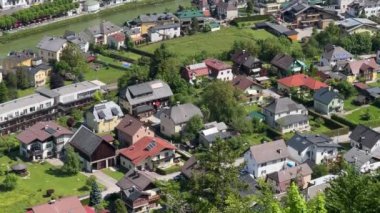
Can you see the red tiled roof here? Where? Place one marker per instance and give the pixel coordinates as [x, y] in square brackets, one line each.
[139, 152]
[68, 204]
[361, 85]
[42, 131]
[197, 70]
[216, 65]
[119, 37]
[299, 80]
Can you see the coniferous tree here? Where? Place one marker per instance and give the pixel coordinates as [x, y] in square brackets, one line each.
[120, 206]
[3, 92]
[95, 195]
[295, 203]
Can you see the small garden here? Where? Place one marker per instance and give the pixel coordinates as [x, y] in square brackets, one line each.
[369, 115]
[115, 173]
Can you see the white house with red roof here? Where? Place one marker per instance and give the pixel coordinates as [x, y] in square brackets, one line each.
[148, 153]
[116, 40]
[299, 81]
[62, 205]
[195, 71]
[219, 70]
[43, 140]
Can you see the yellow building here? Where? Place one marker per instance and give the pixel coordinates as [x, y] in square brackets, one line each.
[151, 20]
[17, 59]
[104, 117]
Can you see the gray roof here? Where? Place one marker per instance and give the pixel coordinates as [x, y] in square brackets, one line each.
[182, 113]
[219, 125]
[22, 102]
[333, 53]
[326, 95]
[357, 157]
[76, 87]
[105, 27]
[157, 17]
[221, 135]
[365, 136]
[277, 28]
[145, 92]
[106, 111]
[136, 179]
[291, 119]
[47, 92]
[282, 61]
[353, 22]
[284, 104]
[374, 92]
[270, 151]
[301, 141]
[51, 43]
[85, 141]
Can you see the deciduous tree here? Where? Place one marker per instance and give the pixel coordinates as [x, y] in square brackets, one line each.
[72, 164]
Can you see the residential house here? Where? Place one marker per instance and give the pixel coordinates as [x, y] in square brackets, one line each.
[164, 32]
[266, 158]
[372, 94]
[312, 148]
[318, 185]
[358, 25]
[186, 18]
[365, 138]
[174, 119]
[94, 152]
[16, 59]
[219, 70]
[333, 54]
[249, 87]
[148, 153]
[281, 180]
[328, 101]
[99, 33]
[116, 41]
[103, 117]
[37, 75]
[189, 167]
[267, 7]
[245, 63]
[300, 14]
[43, 140]
[362, 160]
[343, 5]
[133, 32]
[286, 115]
[142, 100]
[81, 40]
[195, 71]
[130, 130]
[61, 205]
[147, 21]
[138, 191]
[212, 131]
[299, 82]
[50, 48]
[364, 7]
[361, 70]
[227, 10]
[91, 6]
[8, 4]
[285, 65]
[278, 30]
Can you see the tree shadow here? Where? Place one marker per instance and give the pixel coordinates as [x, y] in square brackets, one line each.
[57, 172]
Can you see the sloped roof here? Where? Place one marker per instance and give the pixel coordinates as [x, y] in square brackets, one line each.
[182, 113]
[146, 147]
[196, 70]
[332, 53]
[270, 151]
[243, 82]
[52, 44]
[129, 125]
[120, 37]
[291, 119]
[326, 95]
[105, 27]
[299, 80]
[188, 166]
[355, 66]
[106, 111]
[365, 136]
[357, 157]
[152, 90]
[63, 205]
[301, 141]
[290, 173]
[282, 61]
[283, 104]
[41, 131]
[85, 141]
[134, 178]
[215, 64]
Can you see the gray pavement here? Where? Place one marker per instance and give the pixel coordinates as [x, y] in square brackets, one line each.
[105, 180]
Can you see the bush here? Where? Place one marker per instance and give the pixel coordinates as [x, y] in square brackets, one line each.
[3, 169]
[90, 181]
[344, 121]
[10, 182]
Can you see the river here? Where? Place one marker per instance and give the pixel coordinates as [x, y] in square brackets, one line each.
[29, 42]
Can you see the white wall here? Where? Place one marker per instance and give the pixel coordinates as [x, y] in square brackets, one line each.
[162, 34]
[260, 170]
[225, 75]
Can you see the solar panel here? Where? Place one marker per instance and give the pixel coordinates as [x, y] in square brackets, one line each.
[100, 107]
[114, 111]
[50, 130]
[151, 145]
[101, 114]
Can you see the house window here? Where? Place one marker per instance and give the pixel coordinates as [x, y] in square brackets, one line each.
[263, 164]
[166, 154]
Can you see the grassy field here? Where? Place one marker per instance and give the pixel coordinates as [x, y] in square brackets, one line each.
[349, 105]
[31, 190]
[356, 116]
[213, 43]
[105, 74]
[117, 175]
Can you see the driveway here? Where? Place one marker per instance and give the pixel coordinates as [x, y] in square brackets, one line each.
[106, 181]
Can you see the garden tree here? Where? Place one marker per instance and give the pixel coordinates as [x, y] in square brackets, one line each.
[144, 61]
[90, 181]
[366, 116]
[320, 170]
[266, 202]
[98, 97]
[258, 126]
[168, 70]
[353, 192]
[311, 49]
[193, 126]
[77, 114]
[3, 92]
[295, 203]
[249, 7]
[317, 204]
[270, 47]
[23, 81]
[221, 179]
[250, 46]
[357, 43]
[206, 28]
[136, 74]
[174, 195]
[376, 42]
[72, 164]
[235, 203]
[194, 25]
[10, 182]
[242, 125]
[120, 206]
[9, 142]
[95, 195]
[11, 80]
[81, 77]
[56, 81]
[221, 100]
[345, 88]
[75, 60]
[331, 35]
[160, 54]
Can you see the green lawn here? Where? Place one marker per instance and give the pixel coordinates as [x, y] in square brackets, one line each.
[130, 55]
[25, 92]
[318, 129]
[104, 74]
[252, 107]
[213, 43]
[349, 105]
[356, 116]
[117, 175]
[30, 191]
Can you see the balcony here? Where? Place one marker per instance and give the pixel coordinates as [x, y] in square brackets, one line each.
[154, 198]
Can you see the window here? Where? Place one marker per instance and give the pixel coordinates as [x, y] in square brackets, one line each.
[166, 154]
[48, 145]
[32, 109]
[263, 164]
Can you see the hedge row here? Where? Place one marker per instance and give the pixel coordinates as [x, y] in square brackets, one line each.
[141, 52]
[336, 127]
[273, 133]
[169, 170]
[117, 56]
[344, 121]
[236, 21]
[111, 65]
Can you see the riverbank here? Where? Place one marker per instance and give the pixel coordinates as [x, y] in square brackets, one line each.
[27, 39]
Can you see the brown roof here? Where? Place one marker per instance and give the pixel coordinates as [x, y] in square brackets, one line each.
[243, 82]
[270, 151]
[129, 125]
[42, 131]
[282, 61]
[291, 173]
[356, 66]
[64, 205]
[187, 168]
[134, 178]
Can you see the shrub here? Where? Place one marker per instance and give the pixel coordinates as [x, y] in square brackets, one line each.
[10, 182]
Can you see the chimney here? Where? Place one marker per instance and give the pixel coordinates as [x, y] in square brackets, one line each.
[46, 127]
[279, 151]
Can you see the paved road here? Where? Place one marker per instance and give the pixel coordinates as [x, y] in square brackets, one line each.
[106, 181]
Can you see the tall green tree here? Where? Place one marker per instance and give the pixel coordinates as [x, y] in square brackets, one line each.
[72, 164]
[295, 203]
[3, 92]
[23, 81]
[317, 204]
[193, 126]
[10, 182]
[120, 206]
[95, 195]
[72, 61]
[266, 202]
